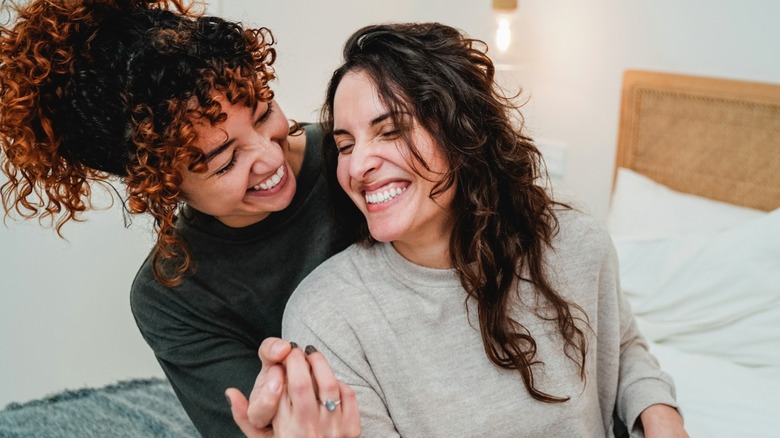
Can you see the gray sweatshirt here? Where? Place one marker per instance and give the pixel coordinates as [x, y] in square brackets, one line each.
[401, 336]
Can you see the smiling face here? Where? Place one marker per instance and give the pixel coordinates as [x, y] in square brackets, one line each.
[249, 174]
[379, 173]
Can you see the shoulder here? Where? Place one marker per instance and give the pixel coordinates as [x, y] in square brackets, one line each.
[307, 142]
[159, 310]
[148, 297]
[578, 228]
[144, 286]
[581, 238]
[313, 134]
[339, 270]
[150, 304]
[334, 283]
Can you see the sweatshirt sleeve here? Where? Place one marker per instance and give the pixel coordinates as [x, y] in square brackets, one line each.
[313, 316]
[199, 365]
[641, 381]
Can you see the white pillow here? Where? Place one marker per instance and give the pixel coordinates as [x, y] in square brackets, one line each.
[644, 209]
[716, 293]
[722, 399]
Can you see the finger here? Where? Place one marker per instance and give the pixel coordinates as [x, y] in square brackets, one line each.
[282, 419]
[326, 386]
[300, 387]
[238, 408]
[265, 396]
[273, 351]
[350, 415]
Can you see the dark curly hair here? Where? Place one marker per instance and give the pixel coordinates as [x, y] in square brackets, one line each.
[95, 88]
[504, 219]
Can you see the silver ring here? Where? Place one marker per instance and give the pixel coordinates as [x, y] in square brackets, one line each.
[330, 405]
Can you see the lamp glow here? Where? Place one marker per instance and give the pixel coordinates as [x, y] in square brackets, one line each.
[503, 35]
[504, 12]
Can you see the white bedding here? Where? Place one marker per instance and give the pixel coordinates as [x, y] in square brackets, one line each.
[703, 278]
[722, 399]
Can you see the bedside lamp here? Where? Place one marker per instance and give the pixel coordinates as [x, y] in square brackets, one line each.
[504, 13]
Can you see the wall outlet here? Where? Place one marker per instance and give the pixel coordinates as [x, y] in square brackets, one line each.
[554, 154]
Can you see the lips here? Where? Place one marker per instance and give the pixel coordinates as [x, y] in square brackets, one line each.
[271, 182]
[384, 196]
[385, 192]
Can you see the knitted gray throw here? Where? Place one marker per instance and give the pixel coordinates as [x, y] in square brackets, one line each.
[134, 408]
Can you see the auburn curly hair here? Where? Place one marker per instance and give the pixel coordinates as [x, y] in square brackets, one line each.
[95, 88]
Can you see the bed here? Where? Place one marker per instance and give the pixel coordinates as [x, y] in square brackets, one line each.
[134, 408]
[694, 216]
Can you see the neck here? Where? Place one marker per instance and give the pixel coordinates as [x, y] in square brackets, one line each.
[430, 253]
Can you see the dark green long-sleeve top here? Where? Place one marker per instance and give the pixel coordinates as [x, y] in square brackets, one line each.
[205, 333]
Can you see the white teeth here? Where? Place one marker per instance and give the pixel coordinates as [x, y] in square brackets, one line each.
[272, 181]
[380, 197]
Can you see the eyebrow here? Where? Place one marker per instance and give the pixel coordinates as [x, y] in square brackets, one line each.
[373, 122]
[210, 156]
[221, 148]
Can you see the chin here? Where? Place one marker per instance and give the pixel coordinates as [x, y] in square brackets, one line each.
[383, 234]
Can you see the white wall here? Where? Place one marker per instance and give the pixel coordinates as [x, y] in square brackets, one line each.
[64, 315]
[65, 318]
[310, 35]
[571, 56]
[575, 53]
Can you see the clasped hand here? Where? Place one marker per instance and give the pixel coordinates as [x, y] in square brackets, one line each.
[295, 395]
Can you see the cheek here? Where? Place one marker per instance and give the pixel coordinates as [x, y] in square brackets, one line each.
[280, 125]
[342, 172]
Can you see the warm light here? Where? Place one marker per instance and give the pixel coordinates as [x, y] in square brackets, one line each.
[503, 35]
[504, 12]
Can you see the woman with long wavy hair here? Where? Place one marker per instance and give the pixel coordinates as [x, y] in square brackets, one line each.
[473, 303]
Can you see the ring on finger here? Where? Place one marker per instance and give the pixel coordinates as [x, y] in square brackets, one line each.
[330, 405]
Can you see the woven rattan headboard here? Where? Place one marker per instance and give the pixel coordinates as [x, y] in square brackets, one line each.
[710, 137]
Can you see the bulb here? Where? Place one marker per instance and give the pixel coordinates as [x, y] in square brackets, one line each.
[503, 35]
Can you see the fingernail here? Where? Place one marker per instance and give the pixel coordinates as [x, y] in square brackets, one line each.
[310, 349]
[230, 403]
[293, 345]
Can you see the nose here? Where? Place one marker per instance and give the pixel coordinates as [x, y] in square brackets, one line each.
[264, 150]
[363, 160]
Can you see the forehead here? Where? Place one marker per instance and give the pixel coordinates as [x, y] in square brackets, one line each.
[357, 91]
[212, 125]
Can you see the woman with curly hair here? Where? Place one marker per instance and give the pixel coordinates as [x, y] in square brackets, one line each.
[178, 105]
[473, 303]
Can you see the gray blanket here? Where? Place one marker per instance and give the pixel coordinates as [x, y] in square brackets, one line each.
[135, 408]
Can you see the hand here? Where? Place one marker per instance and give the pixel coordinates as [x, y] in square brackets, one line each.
[662, 421]
[303, 411]
[254, 417]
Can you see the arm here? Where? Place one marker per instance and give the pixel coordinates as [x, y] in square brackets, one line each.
[200, 361]
[317, 319]
[646, 394]
[200, 386]
[663, 421]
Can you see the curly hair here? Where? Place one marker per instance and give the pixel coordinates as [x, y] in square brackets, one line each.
[504, 219]
[95, 88]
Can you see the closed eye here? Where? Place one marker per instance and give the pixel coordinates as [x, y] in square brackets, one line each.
[227, 166]
[344, 148]
[391, 134]
[266, 114]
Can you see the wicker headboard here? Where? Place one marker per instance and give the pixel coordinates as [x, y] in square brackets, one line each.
[709, 137]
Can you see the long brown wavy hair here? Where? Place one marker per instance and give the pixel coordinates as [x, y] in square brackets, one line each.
[95, 88]
[504, 219]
